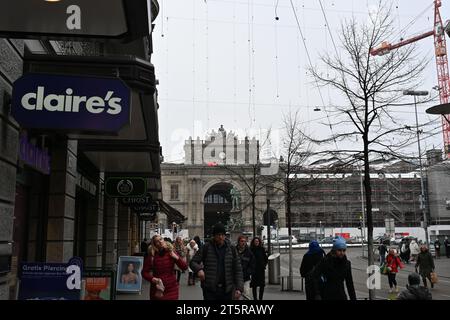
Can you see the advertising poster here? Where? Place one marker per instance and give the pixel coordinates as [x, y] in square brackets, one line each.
[129, 277]
[98, 285]
[50, 281]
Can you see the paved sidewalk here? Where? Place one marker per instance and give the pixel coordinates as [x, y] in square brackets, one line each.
[271, 292]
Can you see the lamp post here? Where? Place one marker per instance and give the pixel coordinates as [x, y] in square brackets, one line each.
[422, 186]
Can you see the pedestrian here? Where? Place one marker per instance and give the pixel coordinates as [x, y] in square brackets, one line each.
[437, 248]
[158, 270]
[218, 267]
[415, 250]
[144, 247]
[447, 247]
[393, 263]
[192, 250]
[259, 272]
[199, 242]
[312, 257]
[405, 252]
[425, 263]
[414, 291]
[331, 273]
[382, 250]
[247, 262]
[181, 251]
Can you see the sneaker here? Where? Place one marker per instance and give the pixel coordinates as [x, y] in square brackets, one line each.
[396, 289]
[391, 291]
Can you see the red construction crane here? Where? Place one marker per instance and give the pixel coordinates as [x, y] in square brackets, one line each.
[441, 63]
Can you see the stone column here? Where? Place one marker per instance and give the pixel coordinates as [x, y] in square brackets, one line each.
[111, 225]
[11, 61]
[61, 211]
[94, 232]
[124, 230]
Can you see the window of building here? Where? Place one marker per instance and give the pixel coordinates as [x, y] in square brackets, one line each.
[174, 192]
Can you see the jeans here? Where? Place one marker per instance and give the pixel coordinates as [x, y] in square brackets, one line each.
[382, 259]
[391, 279]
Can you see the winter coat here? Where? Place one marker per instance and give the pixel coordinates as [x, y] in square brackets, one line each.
[332, 272]
[259, 273]
[414, 247]
[162, 266]
[382, 250]
[394, 262]
[309, 261]
[190, 254]
[415, 293]
[247, 262]
[233, 267]
[425, 263]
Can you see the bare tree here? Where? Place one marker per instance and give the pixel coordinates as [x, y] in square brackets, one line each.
[252, 179]
[295, 151]
[371, 87]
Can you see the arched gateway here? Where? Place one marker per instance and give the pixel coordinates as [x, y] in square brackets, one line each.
[217, 206]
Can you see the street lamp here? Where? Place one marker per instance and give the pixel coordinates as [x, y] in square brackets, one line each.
[422, 187]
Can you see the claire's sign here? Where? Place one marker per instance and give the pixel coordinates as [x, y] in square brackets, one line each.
[70, 103]
[34, 156]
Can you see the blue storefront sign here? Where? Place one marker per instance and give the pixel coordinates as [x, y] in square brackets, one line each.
[50, 281]
[34, 156]
[70, 103]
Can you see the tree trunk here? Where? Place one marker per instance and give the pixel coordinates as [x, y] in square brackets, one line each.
[288, 215]
[368, 190]
[253, 214]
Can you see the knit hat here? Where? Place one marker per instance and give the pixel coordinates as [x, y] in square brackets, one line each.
[218, 228]
[413, 279]
[339, 243]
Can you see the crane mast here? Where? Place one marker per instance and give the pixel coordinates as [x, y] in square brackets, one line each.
[440, 49]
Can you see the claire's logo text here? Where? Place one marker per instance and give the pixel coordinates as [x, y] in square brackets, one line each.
[69, 102]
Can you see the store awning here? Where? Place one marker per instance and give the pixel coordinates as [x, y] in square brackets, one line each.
[173, 215]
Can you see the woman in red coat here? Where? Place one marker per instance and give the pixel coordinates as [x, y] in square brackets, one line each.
[393, 262]
[159, 266]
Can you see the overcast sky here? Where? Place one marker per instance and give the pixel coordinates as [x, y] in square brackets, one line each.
[231, 62]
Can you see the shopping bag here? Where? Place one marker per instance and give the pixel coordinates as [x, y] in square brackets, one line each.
[434, 277]
[384, 269]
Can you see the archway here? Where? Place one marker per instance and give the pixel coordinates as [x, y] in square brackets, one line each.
[217, 206]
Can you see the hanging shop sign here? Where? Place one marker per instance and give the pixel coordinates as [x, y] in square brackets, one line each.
[50, 281]
[75, 19]
[70, 103]
[147, 216]
[34, 156]
[118, 187]
[151, 207]
[136, 201]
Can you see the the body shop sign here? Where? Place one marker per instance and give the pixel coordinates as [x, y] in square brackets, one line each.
[72, 104]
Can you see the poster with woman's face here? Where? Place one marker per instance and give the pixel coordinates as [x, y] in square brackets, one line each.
[129, 277]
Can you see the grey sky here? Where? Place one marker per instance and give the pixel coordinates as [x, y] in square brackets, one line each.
[207, 65]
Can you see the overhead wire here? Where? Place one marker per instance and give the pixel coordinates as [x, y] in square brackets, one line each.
[311, 66]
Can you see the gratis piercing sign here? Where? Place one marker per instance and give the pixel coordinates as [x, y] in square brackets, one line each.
[123, 187]
[70, 103]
